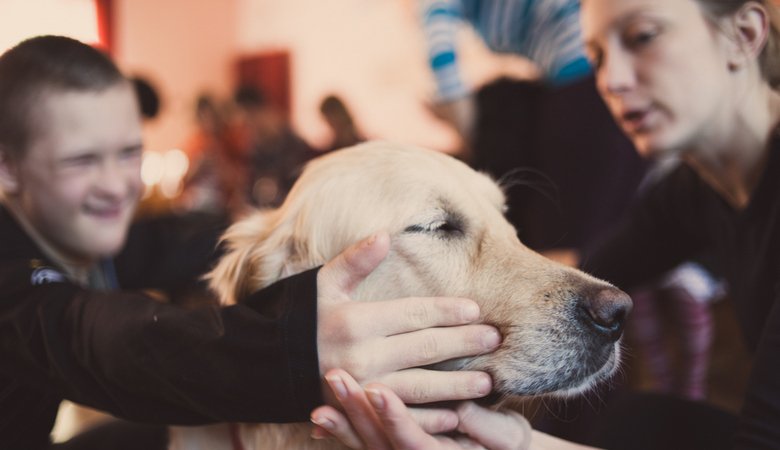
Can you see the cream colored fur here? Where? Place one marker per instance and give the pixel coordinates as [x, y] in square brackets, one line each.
[449, 238]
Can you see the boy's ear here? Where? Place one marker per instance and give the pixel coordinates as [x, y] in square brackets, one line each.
[750, 31]
[9, 180]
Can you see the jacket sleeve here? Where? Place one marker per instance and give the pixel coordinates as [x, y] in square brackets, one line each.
[147, 361]
[440, 21]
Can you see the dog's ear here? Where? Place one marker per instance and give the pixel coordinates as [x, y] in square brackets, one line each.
[256, 251]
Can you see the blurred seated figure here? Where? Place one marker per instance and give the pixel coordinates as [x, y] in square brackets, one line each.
[274, 152]
[342, 126]
[216, 177]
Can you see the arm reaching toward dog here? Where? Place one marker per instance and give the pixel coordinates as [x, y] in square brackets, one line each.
[407, 333]
[375, 418]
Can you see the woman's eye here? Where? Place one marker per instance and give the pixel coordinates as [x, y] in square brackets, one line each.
[641, 37]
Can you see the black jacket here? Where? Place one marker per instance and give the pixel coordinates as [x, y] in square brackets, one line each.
[141, 359]
[682, 217]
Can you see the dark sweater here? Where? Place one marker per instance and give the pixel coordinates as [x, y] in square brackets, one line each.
[143, 360]
[682, 217]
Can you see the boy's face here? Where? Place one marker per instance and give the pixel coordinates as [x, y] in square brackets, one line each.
[80, 179]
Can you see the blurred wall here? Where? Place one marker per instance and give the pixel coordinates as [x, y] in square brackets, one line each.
[368, 51]
[371, 52]
[183, 47]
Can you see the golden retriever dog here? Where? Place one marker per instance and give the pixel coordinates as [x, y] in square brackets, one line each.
[560, 327]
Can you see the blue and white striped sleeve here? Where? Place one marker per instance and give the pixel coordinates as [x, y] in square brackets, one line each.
[441, 19]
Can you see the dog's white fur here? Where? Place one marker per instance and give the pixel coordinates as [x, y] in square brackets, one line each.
[449, 238]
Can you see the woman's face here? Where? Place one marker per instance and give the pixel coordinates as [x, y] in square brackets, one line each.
[79, 181]
[662, 70]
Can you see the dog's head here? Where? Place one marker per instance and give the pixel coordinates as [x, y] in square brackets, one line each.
[560, 327]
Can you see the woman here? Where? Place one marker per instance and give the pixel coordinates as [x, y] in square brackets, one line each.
[694, 79]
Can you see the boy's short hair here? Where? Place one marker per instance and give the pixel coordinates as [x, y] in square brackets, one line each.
[39, 66]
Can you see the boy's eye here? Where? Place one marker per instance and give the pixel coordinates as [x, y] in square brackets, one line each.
[131, 153]
[80, 160]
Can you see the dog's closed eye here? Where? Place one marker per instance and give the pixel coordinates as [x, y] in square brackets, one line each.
[449, 227]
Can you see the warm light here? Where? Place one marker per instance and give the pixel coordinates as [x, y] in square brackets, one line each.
[165, 171]
[176, 165]
[152, 167]
[22, 19]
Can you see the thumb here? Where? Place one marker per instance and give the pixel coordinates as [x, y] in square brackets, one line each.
[339, 277]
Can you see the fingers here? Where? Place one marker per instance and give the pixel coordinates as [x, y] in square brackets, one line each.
[353, 399]
[435, 420]
[496, 430]
[339, 277]
[419, 386]
[400, 428]
[332, 423]
[433, 345]
[410, 314]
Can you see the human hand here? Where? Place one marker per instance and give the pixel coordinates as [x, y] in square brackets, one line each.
[376, 419]
[387, 341]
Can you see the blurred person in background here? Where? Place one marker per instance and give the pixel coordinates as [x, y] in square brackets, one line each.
[215, 178]
[274, 151]
[341, 123]
[555, 125]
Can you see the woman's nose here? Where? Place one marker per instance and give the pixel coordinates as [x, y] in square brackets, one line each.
[616, 74]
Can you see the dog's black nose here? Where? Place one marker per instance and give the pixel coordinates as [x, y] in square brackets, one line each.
[606, 311]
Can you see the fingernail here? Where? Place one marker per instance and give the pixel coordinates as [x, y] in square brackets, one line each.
[338, 386]
[484, 385]
[376, 399]
[490, 339]
[469, 312]
[323, 422]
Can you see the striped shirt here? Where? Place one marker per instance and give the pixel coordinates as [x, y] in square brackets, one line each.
[545, 31]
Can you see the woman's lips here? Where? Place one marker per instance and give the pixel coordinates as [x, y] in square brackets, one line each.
[636, 120]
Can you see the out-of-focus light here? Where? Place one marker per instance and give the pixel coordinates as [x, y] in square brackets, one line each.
[164, 171]
[152, 167]
[176, 163]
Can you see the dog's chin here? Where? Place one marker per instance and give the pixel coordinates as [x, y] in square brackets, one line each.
[552, 385]
[604, 373]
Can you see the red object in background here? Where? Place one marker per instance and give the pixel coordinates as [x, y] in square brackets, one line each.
[270, 73]
[105, 25]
